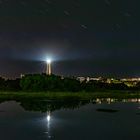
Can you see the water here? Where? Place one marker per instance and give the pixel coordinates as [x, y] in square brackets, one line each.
[42, 120]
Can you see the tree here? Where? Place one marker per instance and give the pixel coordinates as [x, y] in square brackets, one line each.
[39, 82]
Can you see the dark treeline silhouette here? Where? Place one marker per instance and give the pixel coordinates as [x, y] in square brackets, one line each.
[99, 85]
[43, 82]
[10, 85]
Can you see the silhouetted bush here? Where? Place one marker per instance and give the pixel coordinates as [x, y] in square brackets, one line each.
[9, 85]
[42, 82]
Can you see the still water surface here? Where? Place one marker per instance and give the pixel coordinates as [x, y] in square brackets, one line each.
[92, 121]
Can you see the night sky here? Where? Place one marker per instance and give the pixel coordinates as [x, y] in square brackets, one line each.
[82, 37]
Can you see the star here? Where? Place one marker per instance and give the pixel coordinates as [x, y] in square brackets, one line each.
[66, 13]
[83, 26]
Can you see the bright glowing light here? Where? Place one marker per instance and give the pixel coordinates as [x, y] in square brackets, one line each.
[48, 118]
[48, 61]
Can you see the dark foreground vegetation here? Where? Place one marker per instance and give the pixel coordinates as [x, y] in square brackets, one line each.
[41, 86]
[53, 83]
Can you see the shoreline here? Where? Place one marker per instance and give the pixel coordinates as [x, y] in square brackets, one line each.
[10, 95]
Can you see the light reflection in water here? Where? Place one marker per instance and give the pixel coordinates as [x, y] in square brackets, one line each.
[111, 100]
[48, 118]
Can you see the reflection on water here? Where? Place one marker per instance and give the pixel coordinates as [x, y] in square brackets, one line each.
[48, 105]
[45, 106]
[48, 118]
[111, 100]
[52, 105]
[99, 119]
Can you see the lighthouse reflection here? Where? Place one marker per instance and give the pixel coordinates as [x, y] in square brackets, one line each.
[51, 106]
[48, 116]
[48, 121]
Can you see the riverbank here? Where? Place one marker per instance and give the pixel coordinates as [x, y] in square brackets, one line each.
[69, 95]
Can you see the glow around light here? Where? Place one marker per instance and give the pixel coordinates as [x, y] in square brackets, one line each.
[49, 61]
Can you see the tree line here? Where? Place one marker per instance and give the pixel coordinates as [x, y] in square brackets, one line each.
[43, 82]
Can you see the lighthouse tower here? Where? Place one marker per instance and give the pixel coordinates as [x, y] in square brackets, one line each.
[49, 69]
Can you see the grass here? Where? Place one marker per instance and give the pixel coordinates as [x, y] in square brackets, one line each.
[68, 95]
